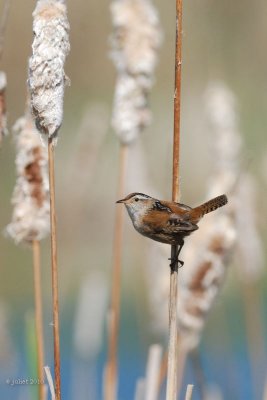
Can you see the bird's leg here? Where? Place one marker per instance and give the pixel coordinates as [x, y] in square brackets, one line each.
[175, 257]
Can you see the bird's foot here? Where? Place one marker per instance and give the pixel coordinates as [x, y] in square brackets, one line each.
[175, 263]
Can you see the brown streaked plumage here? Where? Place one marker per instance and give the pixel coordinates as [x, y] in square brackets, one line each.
[167, 221]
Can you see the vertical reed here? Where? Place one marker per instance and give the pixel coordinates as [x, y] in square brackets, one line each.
[47, 83]
[171, 391]
[38, 316]
[54, 267]
[135, 40]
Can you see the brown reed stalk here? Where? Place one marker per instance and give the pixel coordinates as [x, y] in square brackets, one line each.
[171, 391]
[38, 317]
[54, 267]
[180, 366]
[114, 314]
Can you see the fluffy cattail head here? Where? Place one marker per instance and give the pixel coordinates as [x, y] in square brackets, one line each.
[135, 41]
[30, 219]
[46, 66]
[204, 277]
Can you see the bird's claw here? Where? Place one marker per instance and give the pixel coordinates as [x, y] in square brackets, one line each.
[174, 262]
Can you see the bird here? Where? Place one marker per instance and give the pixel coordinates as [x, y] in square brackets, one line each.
[167, 221]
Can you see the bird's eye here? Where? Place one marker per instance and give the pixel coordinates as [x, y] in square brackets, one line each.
[136, 199]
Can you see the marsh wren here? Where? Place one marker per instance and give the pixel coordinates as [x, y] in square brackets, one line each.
[167, 221]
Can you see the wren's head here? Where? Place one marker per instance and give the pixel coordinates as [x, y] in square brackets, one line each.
[137, 204]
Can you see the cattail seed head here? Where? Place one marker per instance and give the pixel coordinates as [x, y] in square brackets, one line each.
[46, 66]
[204, 277]
[30, 219]
[136, 38]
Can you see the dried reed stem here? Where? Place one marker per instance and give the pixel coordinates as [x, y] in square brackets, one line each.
[114, 315]
[171, 392]
[189, 392]
[38, 317]
[177, 103]
[152, 372]
[180, 367]
[50, 382]
[54, 268]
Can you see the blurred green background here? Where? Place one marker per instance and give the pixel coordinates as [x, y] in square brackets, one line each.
[223, 40]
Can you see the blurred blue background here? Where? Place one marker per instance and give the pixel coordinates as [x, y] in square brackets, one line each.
[221, 40]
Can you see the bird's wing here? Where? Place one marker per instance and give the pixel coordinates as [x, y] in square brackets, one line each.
[177, 224]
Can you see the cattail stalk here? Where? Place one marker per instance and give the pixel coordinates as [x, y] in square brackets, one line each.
[47, 83]
[134, 43]
[171, 391]
[54, 267]
[38, 317]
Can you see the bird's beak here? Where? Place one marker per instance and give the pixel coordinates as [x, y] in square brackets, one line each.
[120, 201]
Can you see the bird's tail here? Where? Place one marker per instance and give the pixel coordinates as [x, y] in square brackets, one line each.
[198, 212]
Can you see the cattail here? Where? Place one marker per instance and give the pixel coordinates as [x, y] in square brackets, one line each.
[3, 118]
[30, 219]
[135, 41]
[46, 66]
[222, 113]
[46, 83]
[207, 253]
[204, 277]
